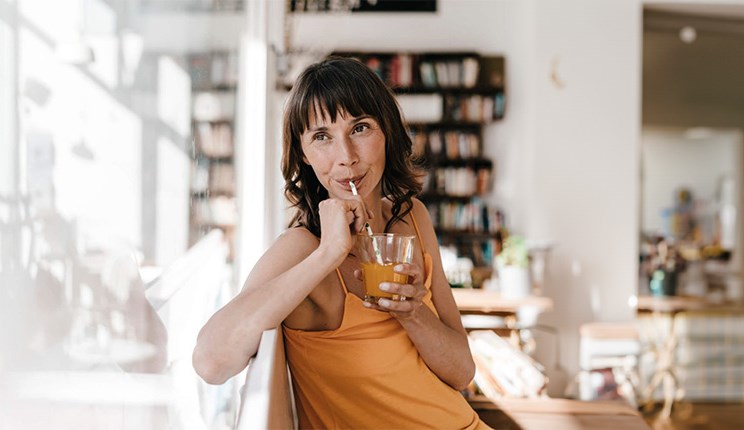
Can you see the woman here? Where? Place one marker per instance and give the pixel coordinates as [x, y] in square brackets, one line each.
[354, 364]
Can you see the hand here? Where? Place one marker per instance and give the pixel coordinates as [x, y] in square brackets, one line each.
[411, 294]
[340, 219]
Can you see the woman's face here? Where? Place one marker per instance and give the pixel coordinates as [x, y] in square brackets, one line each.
[347, 149]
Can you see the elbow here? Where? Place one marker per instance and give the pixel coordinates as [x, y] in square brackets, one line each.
[462, 384]
[467, 376]
[461, 387]
[207, 369]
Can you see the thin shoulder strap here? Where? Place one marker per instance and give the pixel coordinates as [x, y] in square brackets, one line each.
[418, 234]
[341, 278]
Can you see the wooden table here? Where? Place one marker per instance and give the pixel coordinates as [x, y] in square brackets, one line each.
[491, 302]
[559, 414]
[664, 308]
[484, 309]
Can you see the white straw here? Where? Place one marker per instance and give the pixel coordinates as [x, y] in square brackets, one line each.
[378, 256]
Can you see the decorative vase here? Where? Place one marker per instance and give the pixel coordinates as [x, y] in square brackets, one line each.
[514, 282]
[663, 283]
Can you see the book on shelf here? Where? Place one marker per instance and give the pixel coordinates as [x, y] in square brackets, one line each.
[499, 101]
[199, 177]
[442, 74]
[213, 106]
[214, 140]
[199, 70]
[470, 68]
[472, 215]
[460, 181]
[434, 71]
[435, 143]
[461, 144]
[419, 140]
[222, 178]
[452, 144]
[211, 70]
[428, 74]
[215, 211]
[404, 76]
[475, 108]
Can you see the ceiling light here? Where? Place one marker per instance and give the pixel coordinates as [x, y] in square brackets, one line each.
[688, 34]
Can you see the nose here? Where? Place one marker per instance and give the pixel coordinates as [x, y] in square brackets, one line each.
[347, 155]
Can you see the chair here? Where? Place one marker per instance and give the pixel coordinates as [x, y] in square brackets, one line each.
[608, 358]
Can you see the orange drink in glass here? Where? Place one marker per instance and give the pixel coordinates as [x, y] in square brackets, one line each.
[379, 254]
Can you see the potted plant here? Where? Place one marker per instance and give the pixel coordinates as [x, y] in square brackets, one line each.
[512, 267]
[662, 266]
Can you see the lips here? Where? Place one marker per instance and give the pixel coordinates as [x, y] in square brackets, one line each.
[345, 182]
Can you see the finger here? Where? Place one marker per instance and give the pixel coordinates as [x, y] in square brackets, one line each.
[360, 216]
[358, 275]
[405, 290]
[412, 270]
[395, 306]
[373, 306]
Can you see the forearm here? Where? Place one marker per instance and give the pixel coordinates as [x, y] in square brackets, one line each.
[443, 349]
[231, 336]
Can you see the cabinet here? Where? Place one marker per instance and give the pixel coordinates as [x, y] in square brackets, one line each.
[447, 99]
[213, 202]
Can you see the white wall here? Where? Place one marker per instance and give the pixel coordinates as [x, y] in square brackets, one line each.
[566, 157]
[584, 160]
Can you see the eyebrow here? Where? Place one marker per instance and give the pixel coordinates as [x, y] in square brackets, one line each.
[325, 128]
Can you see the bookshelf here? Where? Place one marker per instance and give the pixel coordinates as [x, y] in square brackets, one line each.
[447, 99]
[213, 203]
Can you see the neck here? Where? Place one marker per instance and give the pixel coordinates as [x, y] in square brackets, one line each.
[380, 208]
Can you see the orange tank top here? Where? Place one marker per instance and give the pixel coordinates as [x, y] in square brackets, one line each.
[368, 374]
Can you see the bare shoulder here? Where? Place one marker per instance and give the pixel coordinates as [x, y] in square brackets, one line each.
[419, 211]
[298, 237]
[294, 245]
[290, 248]
[423, 220]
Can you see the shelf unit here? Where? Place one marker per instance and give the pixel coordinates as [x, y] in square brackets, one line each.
[213, 201]
[447, 98]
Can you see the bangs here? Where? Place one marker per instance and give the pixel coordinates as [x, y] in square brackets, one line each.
[317, 99]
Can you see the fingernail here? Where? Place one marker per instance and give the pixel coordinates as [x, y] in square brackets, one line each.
[399, 267]
[366, 304]
[383, 302]
[385, 287]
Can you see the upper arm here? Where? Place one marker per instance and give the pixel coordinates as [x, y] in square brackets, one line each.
[290, 248]
[293, 246]
[441, 293]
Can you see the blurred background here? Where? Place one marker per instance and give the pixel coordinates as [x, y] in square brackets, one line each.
[139, 176]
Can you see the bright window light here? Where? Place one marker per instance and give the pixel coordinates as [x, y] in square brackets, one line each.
[174, 96]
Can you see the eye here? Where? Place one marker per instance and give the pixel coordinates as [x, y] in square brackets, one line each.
[320, 137]
[360, 128]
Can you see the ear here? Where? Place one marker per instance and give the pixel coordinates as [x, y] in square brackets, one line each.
[304, 160]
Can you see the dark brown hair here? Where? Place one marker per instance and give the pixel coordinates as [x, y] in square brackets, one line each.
[347, 86]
